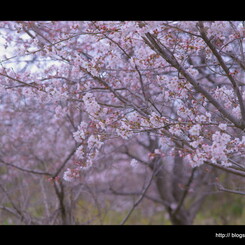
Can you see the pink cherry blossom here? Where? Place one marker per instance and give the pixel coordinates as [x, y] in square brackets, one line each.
[94, 92]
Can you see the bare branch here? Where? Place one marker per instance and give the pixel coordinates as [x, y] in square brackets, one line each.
[25, 169]
[185, 192]
[230, 170]
[154, 173]
[65, 162]
[221, 188]
[139, 193]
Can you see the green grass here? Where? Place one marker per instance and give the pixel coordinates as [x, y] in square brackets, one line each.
[224, 209]
[215, 211]
[88, 212]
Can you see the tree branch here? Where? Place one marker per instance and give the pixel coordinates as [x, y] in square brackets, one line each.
[168, 56]
[185, 192]
[230, 170]
[137, 194]
[142, 195]
[25, 169]
[225, 68]
[221, 188]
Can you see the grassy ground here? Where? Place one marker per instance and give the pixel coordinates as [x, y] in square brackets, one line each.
[217, 210]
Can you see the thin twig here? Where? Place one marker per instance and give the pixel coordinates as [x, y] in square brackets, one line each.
[221, 188]
[142, 196]
[25, 169]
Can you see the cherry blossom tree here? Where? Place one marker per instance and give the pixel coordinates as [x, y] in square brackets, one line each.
[76, 93]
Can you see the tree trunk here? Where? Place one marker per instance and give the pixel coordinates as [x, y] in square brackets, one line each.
[183, 217]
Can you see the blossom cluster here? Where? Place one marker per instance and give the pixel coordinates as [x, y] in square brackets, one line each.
[81, 132]
[136, 123]
[221, 149]
[93, 108]
[71, 174]
[107, 74]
